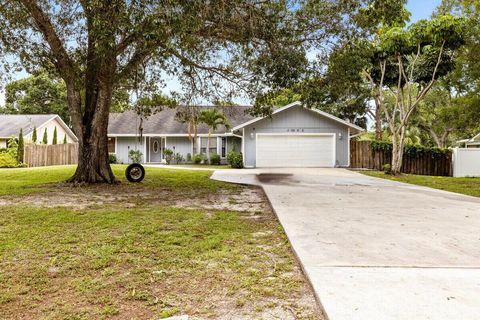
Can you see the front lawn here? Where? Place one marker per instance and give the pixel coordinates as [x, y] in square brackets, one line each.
[468, 186]
[179, 243]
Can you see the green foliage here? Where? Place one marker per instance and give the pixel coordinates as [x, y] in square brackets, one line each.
[168, 153]
[178, 158]
[20, 147]
[189, 157]
[12, 147]
[198, 158]
[112, 158]
[45, 137]
[7, 161]
[410, 149]
[213, 119]
[235, 159]
[54, 140]
[34, 135]
[135, 156]
[65, 139]
[215, 159]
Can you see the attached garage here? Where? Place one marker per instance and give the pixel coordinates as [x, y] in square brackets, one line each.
[295, 150]
[296, 136]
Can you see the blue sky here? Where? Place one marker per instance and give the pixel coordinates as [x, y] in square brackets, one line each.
[420, 9]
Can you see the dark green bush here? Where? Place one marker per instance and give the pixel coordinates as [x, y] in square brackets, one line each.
[178, 158]
[189, 157]
[215, 159]
[112, 158]
[235, 159]
[198, 158]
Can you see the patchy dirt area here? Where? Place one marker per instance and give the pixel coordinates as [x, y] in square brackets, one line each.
[245, 199]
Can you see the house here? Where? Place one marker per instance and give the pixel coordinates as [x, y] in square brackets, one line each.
[470, 143]
[293, 136]
[10, 125]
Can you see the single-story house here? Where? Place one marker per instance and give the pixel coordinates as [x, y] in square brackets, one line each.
[293, 136]
[470, 143]
[10, 125]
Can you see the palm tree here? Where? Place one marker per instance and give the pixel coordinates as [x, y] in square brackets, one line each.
[189, 115]
[212, 118]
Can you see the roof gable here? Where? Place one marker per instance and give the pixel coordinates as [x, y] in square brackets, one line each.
[299, 104]
[10, 124]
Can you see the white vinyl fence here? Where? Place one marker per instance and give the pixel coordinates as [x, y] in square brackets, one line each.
[466, 162]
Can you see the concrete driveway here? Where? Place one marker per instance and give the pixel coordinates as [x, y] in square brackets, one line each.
[377, 249]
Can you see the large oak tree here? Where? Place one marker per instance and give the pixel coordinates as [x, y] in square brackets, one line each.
[97, 46]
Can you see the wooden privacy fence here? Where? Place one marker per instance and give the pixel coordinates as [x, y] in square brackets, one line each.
[39, 155]
[428, 163]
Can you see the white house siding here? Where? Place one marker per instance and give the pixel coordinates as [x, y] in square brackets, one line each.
[124, 145]
[301, 120]
[50, 126]
[180, 145]
[3, 143]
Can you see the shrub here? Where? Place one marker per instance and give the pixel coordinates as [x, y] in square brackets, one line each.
[387, 168]
[189, 157]
[168, 155]
[112, 158]
[7, 161]
[178, 158]
[135, 156]
[235, 159]
[45, 137]
[198, 158]
[20, 147]
[54, 140]
[215, 159]
[12, 147]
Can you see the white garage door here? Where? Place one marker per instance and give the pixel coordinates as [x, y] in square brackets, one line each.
[295, 150]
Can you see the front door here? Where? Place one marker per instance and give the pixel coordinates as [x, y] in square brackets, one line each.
[155, 149]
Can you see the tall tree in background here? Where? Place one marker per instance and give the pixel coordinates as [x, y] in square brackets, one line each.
[45, 93]
[406, 63]
[97, 46]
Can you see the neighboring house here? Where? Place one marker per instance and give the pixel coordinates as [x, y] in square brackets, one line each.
[470, 143]
[10, 125]
[294, 136]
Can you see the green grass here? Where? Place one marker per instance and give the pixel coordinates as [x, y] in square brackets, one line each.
[468, 186]
[145, 260]
[30, 180]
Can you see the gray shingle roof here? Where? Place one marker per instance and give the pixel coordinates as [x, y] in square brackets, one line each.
[165, 122]
[10, 124]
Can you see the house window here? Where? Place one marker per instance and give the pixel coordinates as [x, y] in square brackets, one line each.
[155, 146]
[224, 147]
[111, 145]
[213, 145]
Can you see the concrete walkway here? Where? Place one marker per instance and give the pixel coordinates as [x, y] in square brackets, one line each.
[377, 249]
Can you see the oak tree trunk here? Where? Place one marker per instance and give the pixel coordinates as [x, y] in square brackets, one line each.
[93, 165]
